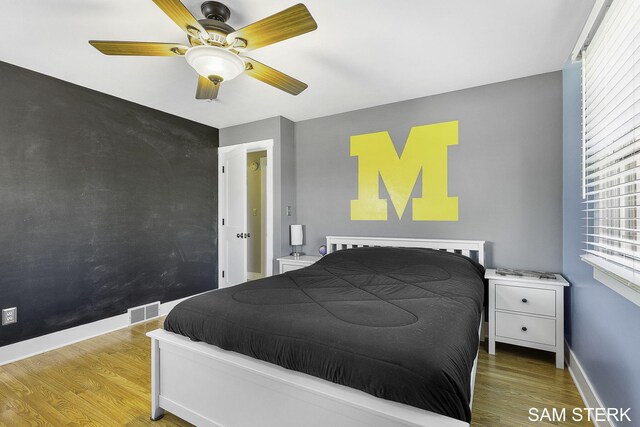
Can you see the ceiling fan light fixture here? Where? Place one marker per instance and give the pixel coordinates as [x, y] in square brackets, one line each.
[215, 61]
[216, 46]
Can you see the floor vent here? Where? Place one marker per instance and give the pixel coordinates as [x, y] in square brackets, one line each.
[144, 312]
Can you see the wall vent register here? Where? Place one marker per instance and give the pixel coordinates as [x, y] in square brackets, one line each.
[144, 313]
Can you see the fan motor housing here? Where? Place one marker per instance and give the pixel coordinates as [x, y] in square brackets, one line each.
[215, 10]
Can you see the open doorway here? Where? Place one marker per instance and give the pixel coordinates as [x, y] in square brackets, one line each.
[245, 208]
[256, 214]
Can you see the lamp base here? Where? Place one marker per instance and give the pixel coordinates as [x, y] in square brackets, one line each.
[296, 254]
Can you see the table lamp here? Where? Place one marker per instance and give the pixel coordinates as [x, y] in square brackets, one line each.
[296, 237]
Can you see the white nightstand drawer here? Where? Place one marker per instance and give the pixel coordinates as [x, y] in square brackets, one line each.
[526, 328]
[526, 300]
[292, 263]
[284, 268]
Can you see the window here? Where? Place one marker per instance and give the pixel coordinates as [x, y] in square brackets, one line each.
[611, 144]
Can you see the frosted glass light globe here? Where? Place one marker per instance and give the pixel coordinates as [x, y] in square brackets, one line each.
[212, 61]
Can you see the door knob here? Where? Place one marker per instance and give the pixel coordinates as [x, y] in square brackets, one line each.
[248, 234]
[238, 235]
[524, 329]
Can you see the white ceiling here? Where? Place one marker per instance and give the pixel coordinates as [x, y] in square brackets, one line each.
[364, 52]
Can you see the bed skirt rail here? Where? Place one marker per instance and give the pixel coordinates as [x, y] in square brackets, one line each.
[208, 386]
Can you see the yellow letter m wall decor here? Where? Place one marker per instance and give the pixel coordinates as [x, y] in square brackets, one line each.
[426, 152]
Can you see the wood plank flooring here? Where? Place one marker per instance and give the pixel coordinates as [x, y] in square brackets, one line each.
[516, 379]
[105, 381]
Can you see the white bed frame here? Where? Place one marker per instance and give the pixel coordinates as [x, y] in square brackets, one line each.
[208, 386]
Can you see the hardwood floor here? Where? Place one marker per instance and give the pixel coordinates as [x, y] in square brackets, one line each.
[516, 379]
[105, 381]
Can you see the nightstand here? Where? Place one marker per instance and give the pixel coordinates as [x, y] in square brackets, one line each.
[290, 263]
[528, 312]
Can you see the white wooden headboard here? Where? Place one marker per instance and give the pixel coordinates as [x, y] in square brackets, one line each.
[472, 248]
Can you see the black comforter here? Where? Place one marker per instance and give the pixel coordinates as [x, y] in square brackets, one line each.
[398, 323]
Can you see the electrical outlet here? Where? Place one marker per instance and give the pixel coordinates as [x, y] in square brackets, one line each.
[9, 315]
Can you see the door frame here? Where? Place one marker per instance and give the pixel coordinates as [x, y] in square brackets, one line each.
[264, 145]
[263, 217]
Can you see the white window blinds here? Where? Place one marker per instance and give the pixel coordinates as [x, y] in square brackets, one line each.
[611, 143]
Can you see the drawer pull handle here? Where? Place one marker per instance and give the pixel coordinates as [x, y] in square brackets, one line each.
[524, 300]
[524, 329]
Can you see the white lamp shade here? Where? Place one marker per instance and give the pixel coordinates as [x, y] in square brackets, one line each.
[296, 235]
[215, 61]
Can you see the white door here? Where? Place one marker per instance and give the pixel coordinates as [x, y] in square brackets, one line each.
[234, 216]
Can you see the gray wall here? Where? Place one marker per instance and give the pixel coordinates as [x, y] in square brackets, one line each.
[105, 205]
[280, 130]
[506, 170]
[602, 327]
[288, 181]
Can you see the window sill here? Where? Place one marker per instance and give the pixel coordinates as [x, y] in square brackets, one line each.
[618, 284]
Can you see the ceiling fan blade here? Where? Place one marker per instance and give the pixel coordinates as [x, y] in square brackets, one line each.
[273, 77]
[283, 25]
[207, 89]
[138, 48]
[181, 16]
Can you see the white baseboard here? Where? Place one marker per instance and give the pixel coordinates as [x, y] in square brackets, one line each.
[586, 390]
[23, 349]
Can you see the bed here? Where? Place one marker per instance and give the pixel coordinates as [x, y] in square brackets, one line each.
[376, 368]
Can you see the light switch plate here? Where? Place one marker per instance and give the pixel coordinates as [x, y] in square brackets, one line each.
[9, 315]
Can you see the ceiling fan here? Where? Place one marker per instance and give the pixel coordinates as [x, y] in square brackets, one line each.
[216, 48]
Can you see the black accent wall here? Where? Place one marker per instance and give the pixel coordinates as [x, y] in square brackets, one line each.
[104, 205]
